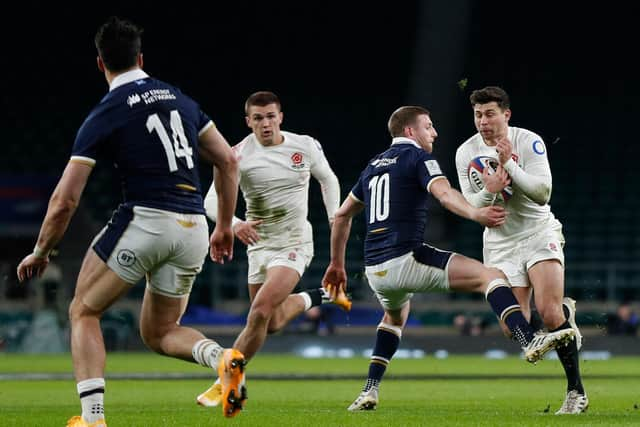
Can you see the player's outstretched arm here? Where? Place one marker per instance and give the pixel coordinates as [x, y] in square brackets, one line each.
[62, 206]
[330, 188]
[452, 200]
[336, 273]
[225, 173]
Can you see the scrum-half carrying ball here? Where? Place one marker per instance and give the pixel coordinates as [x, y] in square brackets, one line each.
[476, 166]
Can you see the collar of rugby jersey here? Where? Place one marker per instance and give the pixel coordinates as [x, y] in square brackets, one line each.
[403, 140]
[127, 77]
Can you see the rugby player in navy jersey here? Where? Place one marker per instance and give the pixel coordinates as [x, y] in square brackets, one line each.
[153, 134]
[394, 190]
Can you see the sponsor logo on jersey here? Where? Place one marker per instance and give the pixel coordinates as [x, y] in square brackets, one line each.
[379, 163]
[553, 247]
[515, 157]
[292, 256]
[133, 99]
[126, 258]
[297, 160]
[155, 95]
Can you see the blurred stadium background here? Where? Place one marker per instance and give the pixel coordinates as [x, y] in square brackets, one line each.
[340, 71]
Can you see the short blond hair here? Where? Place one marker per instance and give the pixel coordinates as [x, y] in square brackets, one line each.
[403, 117]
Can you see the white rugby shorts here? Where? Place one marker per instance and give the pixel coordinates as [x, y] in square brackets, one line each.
[168, 247]
[515, 261]
[260, 260]
[394, 282]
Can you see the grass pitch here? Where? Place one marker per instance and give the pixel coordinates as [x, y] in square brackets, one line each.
[456, 391]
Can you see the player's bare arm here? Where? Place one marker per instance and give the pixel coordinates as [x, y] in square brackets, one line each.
[336, 273]
[454, 201]
[62, 206]
[226, 188]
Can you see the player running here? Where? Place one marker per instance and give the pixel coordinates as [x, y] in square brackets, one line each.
[528, 248]
[275, 168]
[152, 133]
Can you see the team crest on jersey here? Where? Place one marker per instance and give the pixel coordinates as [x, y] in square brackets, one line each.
[133, 99]
[126, 258]
[292, 256]
[297, 160]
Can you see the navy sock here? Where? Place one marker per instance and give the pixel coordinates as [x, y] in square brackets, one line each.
[316, 296]
[505, 305]
[387, 342]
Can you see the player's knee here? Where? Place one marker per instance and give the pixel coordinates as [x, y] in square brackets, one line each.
[273, 329]
[552, 317]
[79, 310]
[148, 338]
[489, 279]
[492, 274]
[152, 335]
[259, 314]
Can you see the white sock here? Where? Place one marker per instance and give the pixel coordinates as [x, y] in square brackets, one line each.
[91, 394]
[307, 300]
[207, 353]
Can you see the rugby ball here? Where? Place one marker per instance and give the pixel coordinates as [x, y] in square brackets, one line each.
[476, 167]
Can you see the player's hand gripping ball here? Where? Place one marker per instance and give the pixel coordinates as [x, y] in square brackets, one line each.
[477, 166]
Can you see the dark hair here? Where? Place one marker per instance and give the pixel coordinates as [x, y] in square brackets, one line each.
[403, 117]
[490, 94]
[262, 99]
[118, 42]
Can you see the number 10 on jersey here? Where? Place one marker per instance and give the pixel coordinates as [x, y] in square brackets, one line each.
[379, 200]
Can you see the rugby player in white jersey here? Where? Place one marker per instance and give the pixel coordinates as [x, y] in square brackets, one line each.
[528, 248]
[394, 191]
[154, 134]
[275, 167]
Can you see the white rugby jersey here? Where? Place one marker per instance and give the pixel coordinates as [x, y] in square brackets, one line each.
[275, 184]
[529, 169]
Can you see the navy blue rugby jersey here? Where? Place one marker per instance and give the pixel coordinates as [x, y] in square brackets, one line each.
[149, 130]
[393, 188]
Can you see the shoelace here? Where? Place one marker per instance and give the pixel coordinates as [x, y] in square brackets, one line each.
[573, 401]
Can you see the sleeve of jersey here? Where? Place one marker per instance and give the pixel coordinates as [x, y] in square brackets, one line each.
[211, 206]
[357, 193]
[329, 184]
[535, 180]
[87, 143]
[211, 203]
[480, 199]
[204, 122]
[428, 170]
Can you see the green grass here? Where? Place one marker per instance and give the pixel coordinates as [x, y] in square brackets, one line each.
[499, 394]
